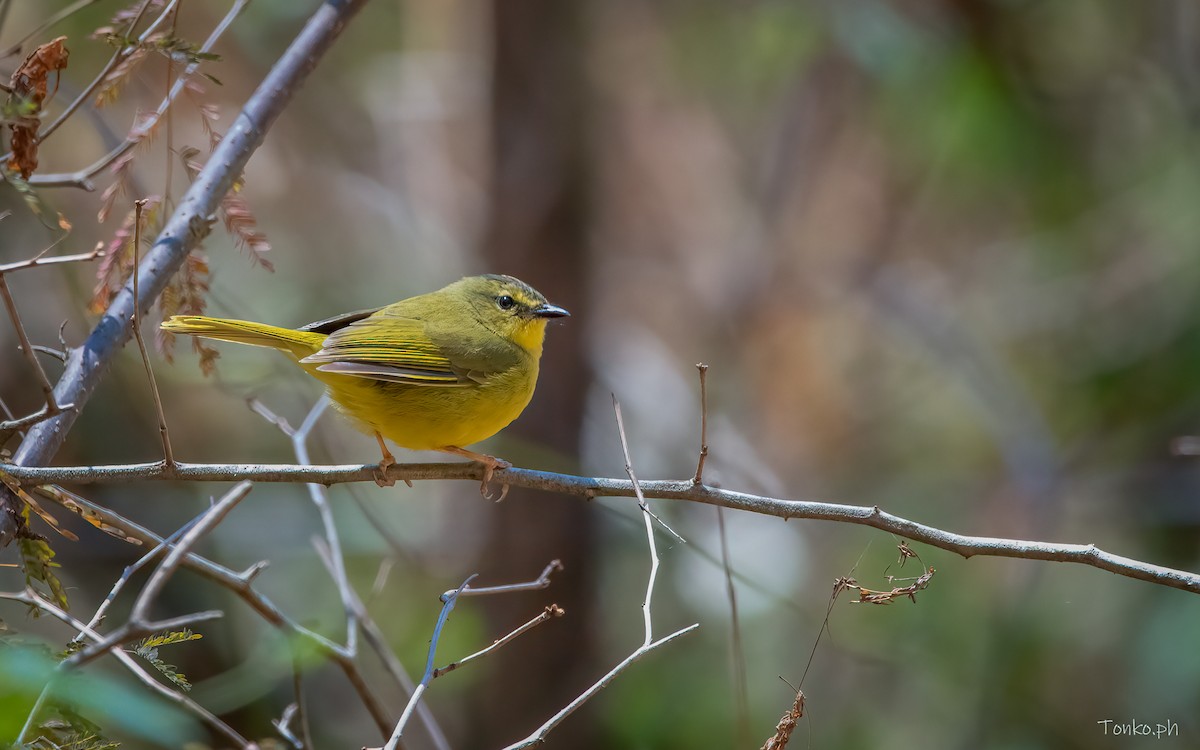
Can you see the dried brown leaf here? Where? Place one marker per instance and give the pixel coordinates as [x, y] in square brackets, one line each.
[239, 220]
[14, 486]
[68, 501]
[120, 169]
[243, 226]
[31, 79]
[210, 113]
[30, 87]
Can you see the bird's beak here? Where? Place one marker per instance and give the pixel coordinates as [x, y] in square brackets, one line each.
[547, 310]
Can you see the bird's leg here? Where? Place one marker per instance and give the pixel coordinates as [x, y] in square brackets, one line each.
[489, 463]
[387, 460]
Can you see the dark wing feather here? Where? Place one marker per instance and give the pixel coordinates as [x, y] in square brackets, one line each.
[329, 325]
[388, 348]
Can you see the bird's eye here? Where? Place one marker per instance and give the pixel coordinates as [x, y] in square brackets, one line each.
[505, 302]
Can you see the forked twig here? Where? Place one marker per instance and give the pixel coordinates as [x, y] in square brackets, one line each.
[320, 498]
[330, 550]
[139, 623]
[449, 599]
[127, 574]
[552, 610]
[636, 487]
[648, 644]
[378, 642]
[646, 516]
[541, 582]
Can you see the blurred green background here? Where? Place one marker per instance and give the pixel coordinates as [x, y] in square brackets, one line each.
[941, 258]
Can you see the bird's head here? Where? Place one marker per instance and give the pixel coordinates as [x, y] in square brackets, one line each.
[511, 308]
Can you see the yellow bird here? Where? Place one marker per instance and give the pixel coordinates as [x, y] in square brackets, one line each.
[439, 371]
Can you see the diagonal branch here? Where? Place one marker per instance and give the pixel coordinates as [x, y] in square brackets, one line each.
[183, 232]
[242, 585]
[85, 631]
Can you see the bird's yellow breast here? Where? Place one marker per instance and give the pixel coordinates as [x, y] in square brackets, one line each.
[431, 417]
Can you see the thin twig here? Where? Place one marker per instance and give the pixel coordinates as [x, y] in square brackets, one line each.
[629, 470]
[261, 409]
[169, 146]
[637, 488]
[591, 487]
[703, 369]
[40, 260]
[52, 407]
[551, 611]
[163, 434]
[283, 723]
[541, 582]
[539, 735]
[320, 499]
[40, 415]
[329, 549]
[449, 599]
[741, 700]
[61, 15]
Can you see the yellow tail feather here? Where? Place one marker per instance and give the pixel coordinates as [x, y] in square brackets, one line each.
[297, 343]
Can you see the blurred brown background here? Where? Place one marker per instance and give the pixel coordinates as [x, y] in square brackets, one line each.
[941, 258]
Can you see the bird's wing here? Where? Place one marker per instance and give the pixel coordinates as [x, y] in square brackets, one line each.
[388, 348]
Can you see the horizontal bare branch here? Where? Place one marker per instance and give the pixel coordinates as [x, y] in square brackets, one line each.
[962, 544]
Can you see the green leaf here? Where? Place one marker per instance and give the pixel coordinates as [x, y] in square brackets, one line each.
[168, 638]
[50, 218]
[38, 561]
[147, 649]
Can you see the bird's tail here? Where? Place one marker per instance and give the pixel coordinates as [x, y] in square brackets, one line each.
[299, 344]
